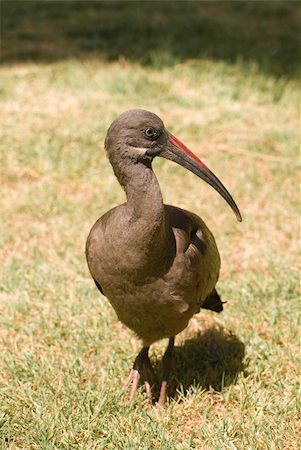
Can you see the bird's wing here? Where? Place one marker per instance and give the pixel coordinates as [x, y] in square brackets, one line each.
[196, 267]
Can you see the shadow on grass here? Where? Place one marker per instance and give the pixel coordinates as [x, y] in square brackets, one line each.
[211, 359]
[155, 33]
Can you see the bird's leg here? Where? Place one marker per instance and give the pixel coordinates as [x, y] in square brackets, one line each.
[167, 363]
[142, 363]
[149, 378]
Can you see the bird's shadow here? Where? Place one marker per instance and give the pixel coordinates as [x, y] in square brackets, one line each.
[210, 359]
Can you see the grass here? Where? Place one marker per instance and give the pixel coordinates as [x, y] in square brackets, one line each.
[63, 353]
[157, 34]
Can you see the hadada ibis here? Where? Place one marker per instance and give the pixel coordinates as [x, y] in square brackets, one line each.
[157, 264]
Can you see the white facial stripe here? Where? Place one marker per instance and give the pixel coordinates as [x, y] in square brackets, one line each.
[141, 150]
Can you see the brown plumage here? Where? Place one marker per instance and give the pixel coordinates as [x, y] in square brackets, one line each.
[157, 264]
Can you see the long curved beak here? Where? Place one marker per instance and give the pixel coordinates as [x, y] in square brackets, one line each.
[178, 152]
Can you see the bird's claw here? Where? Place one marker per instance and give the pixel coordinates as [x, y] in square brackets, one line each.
[142, 362]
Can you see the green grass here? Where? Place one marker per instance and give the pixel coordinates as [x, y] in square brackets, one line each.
[64, 355]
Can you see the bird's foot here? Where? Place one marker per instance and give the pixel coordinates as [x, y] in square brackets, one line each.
[163, 393]
[143, 365]
[167, 364]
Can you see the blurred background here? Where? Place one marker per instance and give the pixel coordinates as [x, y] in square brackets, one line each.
[158, 34]
[225, 79]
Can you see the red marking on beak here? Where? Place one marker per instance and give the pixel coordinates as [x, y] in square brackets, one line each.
[177, 143]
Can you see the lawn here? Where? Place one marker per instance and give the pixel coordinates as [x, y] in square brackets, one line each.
[224, 78]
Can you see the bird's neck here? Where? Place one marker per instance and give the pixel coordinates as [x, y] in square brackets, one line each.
[147, 226]
[144, 197]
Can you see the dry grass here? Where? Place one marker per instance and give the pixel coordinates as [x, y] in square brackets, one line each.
[64, 355]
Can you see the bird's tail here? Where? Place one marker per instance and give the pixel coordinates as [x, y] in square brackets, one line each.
[213, 302]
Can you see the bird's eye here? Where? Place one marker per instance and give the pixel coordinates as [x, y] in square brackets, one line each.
[150, 133]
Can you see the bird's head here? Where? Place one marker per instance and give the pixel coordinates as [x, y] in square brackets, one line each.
[138, 136]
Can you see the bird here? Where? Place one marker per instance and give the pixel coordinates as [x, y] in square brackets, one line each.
[157, 264]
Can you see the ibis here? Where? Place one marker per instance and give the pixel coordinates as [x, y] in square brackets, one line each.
[157, 264]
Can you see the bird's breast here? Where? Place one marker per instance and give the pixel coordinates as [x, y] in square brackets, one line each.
[154, 282]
